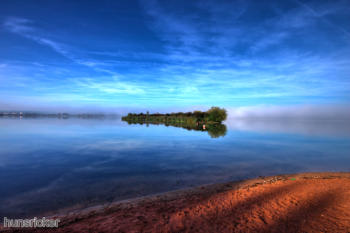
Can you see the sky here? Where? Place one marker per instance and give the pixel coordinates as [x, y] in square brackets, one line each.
[173, 54]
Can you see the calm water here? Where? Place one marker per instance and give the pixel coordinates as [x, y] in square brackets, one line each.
[48, 164]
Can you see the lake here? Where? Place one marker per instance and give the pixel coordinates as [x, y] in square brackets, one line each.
[52, 164]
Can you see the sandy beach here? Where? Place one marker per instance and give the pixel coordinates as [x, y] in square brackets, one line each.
[308, 202]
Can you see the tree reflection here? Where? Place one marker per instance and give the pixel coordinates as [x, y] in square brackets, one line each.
[217, 130]
[214, 130]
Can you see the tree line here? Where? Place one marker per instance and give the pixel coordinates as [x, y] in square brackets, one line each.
[213, 115]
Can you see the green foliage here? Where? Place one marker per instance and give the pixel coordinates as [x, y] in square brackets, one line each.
[216, 130]
[217, 114]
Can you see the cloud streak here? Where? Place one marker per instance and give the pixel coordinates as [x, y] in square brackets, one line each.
[23, 27]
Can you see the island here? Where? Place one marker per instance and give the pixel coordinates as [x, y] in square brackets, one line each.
[210, 121]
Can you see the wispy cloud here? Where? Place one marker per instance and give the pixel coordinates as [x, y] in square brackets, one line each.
[25, 27]
[324, 12]
[18, 25]
[111, 87]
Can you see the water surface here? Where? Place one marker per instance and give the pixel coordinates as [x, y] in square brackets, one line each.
[50, 164]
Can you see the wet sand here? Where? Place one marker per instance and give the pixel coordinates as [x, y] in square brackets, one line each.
[309, 202]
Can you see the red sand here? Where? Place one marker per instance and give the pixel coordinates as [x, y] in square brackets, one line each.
[314, 202]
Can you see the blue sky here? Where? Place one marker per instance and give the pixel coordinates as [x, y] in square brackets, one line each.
[179, 54]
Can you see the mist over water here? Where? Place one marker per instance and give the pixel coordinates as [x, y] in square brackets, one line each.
[50, 164]
[306, 127]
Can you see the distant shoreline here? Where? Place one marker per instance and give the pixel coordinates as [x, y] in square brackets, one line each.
[55, 115]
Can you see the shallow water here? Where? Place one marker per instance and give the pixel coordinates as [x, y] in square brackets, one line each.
[50, 164]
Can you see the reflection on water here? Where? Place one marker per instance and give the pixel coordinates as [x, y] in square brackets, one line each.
[214, 130]
[50, 164]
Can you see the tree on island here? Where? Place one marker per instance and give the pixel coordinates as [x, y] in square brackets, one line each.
[217, 114]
